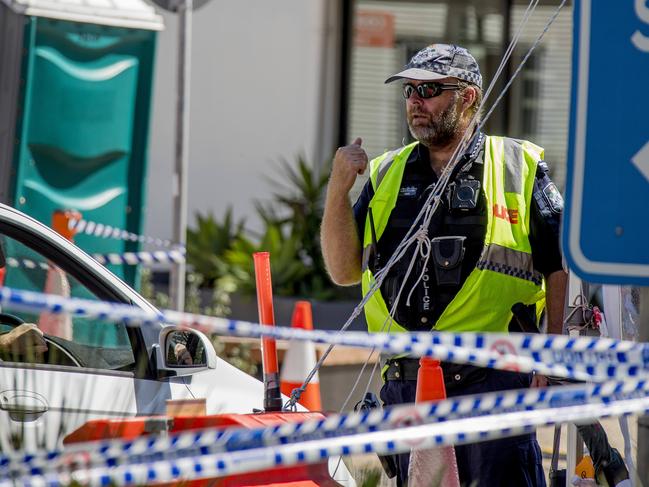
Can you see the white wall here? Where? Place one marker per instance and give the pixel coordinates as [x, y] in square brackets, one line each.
[256, 79]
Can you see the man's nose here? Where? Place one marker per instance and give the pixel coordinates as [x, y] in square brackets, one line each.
[415, 99]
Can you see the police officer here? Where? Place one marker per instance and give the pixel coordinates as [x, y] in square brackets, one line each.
[490, 246]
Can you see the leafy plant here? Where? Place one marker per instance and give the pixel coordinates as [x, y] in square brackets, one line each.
[286, 268]
[221, 252]
[291, 234]
[239, 355]
[208, 242]
[149, 292]
[303, 201]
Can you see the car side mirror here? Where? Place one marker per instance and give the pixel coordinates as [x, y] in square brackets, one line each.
[184, 352]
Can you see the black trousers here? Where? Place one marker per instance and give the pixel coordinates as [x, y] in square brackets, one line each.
[506, 462]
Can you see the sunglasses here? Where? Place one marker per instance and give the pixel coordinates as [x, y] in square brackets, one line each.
[427, 90]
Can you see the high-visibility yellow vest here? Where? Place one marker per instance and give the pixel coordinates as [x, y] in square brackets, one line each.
[504, 274]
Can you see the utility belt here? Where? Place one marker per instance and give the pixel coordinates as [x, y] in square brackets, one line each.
[455, 375]
[406, 368]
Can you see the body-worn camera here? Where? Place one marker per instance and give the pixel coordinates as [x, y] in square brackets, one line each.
[465, 194]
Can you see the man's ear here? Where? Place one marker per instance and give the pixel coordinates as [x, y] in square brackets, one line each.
[469, 95]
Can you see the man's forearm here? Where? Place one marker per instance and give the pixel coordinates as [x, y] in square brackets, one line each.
[341, 247]
[555, 296]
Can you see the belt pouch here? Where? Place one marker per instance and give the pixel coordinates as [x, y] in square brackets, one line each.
[448, 253]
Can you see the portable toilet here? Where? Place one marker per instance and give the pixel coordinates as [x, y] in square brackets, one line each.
[75, 102]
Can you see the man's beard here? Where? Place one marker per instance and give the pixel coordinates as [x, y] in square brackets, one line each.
[440, 129]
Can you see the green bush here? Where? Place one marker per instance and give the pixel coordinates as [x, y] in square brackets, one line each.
[207, 244]
[221, 252]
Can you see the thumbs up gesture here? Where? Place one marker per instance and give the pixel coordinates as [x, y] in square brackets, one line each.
[350, 161]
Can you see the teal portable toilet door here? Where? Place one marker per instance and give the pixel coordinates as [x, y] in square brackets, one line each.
[83, 133]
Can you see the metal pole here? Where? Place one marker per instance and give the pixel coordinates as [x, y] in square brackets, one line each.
[642, 462]
[177, 278]
[507, 74]
[574, 442]
[344, 87]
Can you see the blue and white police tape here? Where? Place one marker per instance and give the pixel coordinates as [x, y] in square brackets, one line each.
[26, 263]
[582, 358]
[135, 258]
[106, 231]
[211, 441]
[128, 258]
[397, 440]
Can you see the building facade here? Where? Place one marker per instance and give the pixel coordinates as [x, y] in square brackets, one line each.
[275, 80]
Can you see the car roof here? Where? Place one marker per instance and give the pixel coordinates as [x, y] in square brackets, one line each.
[14, 218]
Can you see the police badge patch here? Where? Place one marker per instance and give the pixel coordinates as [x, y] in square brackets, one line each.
[553, 198]
[408, 191]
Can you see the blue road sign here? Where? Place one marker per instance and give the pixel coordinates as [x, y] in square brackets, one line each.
[606, 221]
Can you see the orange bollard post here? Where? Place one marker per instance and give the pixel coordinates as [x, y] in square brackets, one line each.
[272, 396]
[434, 466]
[56, 282]
[299, 360]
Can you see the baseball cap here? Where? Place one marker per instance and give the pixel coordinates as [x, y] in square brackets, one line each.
[439, 61]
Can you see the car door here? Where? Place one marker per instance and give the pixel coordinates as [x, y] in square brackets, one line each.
[81, 368]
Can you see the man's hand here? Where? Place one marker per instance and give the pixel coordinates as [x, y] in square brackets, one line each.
[341, 246]
[24, 339]
[183, 357]
[350, 161]
[539, 380]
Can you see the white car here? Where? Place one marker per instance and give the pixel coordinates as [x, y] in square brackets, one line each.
[93, 369]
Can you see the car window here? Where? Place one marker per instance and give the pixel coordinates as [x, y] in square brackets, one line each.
[68, 341]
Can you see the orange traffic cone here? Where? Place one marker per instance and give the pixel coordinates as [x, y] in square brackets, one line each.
[299, 360]
[430, 381]
[57, 283]
[434, 466]
[584, 473]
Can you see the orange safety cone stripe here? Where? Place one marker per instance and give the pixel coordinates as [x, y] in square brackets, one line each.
[302, 316]
[430, 381]
[310, 398]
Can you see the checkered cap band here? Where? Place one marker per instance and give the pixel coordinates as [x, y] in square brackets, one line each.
[448, 60]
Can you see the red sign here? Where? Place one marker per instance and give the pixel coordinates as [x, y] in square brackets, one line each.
[374, 29]
[503, 347]
[405, 419]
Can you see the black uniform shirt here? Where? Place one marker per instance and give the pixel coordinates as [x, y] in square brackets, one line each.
[418, 180]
